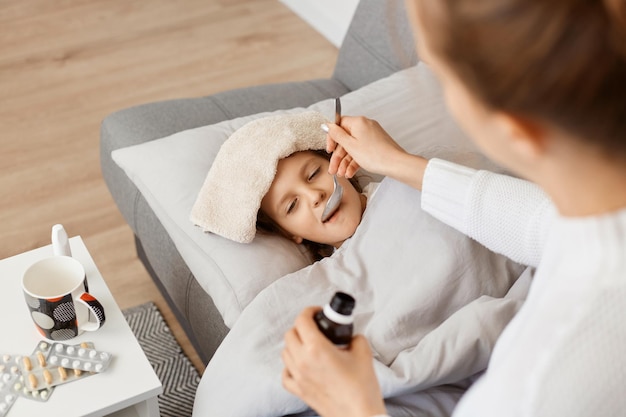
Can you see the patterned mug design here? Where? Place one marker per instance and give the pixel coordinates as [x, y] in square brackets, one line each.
[57, 296]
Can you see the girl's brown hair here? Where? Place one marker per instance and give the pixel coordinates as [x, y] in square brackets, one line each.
[265, 224]
[560, 61]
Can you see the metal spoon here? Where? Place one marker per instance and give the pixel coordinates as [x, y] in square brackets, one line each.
[335, 198]
[333, 202]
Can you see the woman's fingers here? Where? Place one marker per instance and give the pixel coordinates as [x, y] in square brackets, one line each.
[305, 327]
[342, 163]
[295, 354]
[366, 143]
[343, 166]
[352, 169]
[336, 135]
[340, 158]
[337, 159]
[290, 384]
[330, 143]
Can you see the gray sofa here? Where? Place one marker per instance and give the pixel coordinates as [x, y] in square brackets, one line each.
[379, 42]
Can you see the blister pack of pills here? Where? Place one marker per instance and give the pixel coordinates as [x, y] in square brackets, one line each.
[13, 364]
[7, 391]
[35, 376]
[79, 358]
[57, 367]
[41, 394]
[36, 360]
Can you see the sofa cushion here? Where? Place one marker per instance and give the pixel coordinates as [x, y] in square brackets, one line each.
[170, 171]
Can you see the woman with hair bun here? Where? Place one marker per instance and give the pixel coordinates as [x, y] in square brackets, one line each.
[540, 86]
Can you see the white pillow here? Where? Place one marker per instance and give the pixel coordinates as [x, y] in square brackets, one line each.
[170, 171]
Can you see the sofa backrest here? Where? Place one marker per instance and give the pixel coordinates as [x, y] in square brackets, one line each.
[378, 43]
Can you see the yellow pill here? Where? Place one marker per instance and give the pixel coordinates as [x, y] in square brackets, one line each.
[78, 372]
[42, 359]
[33, 380]
[47, 376]
[27, 364]
[62, 373]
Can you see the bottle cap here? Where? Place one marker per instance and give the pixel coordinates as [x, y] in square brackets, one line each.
[342, 303]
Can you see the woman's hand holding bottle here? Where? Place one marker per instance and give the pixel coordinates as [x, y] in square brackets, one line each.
[333, 381]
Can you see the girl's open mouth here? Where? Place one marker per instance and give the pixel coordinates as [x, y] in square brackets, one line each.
[333, 216]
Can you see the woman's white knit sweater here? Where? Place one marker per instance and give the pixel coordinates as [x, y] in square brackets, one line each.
[564, 354]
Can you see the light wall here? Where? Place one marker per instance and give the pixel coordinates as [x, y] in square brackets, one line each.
[329, 17]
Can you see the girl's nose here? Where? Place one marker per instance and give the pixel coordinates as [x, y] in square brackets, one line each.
[317, 196]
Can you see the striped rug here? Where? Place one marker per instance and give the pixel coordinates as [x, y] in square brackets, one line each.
[179, 377]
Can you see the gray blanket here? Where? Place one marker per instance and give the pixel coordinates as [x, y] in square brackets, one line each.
[431, 302]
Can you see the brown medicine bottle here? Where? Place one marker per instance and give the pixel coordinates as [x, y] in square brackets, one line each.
[335, 320]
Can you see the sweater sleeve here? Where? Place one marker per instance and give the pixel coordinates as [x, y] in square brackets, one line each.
[508, 215]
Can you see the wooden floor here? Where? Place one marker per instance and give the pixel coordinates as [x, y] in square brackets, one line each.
[66, 64]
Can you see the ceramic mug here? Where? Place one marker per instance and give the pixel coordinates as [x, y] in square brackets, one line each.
[57, 296]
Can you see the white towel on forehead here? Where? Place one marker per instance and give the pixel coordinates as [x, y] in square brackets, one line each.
[245, 167]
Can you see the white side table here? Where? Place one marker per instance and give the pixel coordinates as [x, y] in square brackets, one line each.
[129, 387]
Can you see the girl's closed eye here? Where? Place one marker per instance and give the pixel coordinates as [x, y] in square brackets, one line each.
[314, 174]
[292, 206]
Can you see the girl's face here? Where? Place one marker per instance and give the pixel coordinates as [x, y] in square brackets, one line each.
[298, 195]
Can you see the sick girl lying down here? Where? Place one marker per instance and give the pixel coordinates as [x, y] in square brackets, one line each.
[272, 176]
[430, 301]
[293, 205]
